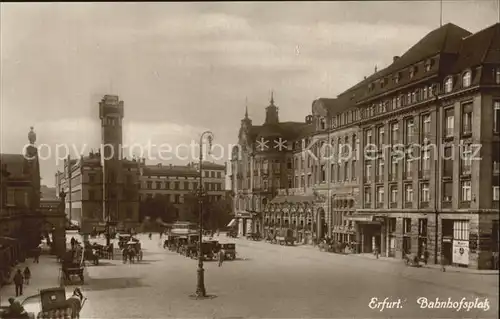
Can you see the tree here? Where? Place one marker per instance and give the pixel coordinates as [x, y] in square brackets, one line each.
[158, 207]
[216, 214]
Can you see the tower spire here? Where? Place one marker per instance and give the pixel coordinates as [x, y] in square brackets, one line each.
[272, 97]
[246, 107]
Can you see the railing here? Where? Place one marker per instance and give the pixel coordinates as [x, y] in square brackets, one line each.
[408, 204]
[425, 173]
[394, 205]
[380, 205]
[464, 205]
[446, 204]
[424, 204]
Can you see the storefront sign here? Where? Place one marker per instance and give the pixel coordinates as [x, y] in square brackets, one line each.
[379, 219]
[461, 252]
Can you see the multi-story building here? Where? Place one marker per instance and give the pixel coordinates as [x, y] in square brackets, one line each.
[175, 181]
[424, 121]
[22, 222]
[401, 171]
[103, 188]
[261, 164]
[324, 179]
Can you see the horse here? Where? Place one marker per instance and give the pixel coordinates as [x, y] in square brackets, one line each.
[75, 302]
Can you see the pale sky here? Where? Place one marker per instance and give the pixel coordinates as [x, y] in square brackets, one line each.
[182, 68]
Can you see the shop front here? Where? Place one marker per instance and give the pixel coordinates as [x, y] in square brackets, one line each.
[370, 233]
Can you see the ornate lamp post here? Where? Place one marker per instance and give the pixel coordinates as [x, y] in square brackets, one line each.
[200, 284]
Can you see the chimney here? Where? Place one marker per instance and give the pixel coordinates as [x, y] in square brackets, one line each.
[159, 165]
[364, 77]
[395, 58]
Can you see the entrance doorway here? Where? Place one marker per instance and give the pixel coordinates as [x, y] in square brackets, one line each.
[371, 237]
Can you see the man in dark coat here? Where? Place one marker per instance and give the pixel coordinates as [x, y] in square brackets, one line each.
[19, 281]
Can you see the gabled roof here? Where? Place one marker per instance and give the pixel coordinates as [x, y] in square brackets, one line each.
[478, 48]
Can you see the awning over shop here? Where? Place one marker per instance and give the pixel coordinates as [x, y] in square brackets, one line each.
[361, 217]
[367, 217]
[232, 223]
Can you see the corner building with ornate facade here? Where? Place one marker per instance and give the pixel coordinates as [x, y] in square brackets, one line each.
[428, 128]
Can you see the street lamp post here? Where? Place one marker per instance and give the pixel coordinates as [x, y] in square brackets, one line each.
[200, 284]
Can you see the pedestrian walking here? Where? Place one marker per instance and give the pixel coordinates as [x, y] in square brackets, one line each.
[221, 257]
[443, 263]
[376, 252]
[426, 256]
[27, 275]
[150, 235]
[18, 282]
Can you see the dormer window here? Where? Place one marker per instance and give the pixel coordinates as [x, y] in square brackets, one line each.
[466, 79]
[428, 65]
[497, 75]
[413, 70]
[397, 77]
[448, 84]
[322, 123]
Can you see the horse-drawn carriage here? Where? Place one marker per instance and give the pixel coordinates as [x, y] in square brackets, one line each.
[123, 240]
[53, 305]
[132, 251]
[232, 233]
[253, 236]
[229, 251]
[72, 266]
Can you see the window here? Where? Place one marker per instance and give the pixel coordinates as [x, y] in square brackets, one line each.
[91, 178]
[394, 168]
[322, 124]
[466, 191]
[461, 229]
[176, 185]
[447, 191]
[91, 194]
[339, 176]
[496, 116]
[412, 72]
[368, 135]
[449, 123]
[186, 185]
[467, 118]
[409, 131]
[448, 162]
[149, 185]
[408, 99]
[394, 194]
[380, 194]
[426, 159]
[448, 85]
[381, 133]
[496, 192]
[466, 79]
[380, 170]
[424, 192]
[368, 170]
[397, 77]
[346, 170]
[408, 193]
[158, 185]
[428, 65]
[177, 199]
[466, 160]
[424, 93]
[353, 169]
[394, 133]
[323, 173]
[408, 166]
[426, 125]
[497, 75]
[406, 226]
[368, 195]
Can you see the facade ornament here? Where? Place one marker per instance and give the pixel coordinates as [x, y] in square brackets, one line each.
[32, 136]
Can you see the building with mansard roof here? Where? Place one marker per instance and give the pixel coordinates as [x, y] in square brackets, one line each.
[437, 105]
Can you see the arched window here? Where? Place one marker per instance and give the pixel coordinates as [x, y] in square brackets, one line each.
[448, 85]
[466, 79]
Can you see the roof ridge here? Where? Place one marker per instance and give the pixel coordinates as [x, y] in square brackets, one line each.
[491, 40]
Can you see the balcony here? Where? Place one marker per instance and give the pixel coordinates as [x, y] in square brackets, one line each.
[380, 205]
[393, 177]
[394, 205]
[367, 180]
[408, 204]
[264, 172]
[367, 205]
[380, 178]
[408, 175]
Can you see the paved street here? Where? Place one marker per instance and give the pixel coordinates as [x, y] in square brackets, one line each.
[274, 281]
